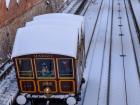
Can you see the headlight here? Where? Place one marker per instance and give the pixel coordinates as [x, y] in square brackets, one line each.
[47, 90]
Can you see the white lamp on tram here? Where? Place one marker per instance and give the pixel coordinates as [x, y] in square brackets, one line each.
[71, 101]
[21, 100]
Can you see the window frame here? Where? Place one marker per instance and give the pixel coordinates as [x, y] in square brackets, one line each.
[54, 69]
[18, 69]
[56, 87]
[21, 87]
[60, 88]
[73, 69]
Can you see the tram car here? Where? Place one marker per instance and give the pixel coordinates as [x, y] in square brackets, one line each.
[49, 58]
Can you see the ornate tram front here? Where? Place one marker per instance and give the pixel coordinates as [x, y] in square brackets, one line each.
[49, 76]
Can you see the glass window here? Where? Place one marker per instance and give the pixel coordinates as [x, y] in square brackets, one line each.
[47, 84]
[27, 86]
[45, 67]
[67, 86]
[25, 68]
[65, 67]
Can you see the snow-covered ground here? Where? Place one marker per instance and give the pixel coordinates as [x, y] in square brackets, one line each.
[8, 89]
[99, 51]
[136, 8]
[112, 78]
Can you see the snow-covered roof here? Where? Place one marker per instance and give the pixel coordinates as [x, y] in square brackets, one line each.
[78, 27]
[60, 16]
[43, 38]
[67, 24]
[58, 21]
[8, 2]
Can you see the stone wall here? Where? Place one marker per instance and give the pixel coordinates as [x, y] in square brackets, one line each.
[17, 15]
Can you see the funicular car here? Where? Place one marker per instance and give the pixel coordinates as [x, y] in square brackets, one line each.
[49, 59]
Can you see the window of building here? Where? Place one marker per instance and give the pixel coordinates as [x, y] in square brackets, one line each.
[65, 67]
[25, 68]
[45, 68]
[51, 85]
[27, 86]
[67, 86]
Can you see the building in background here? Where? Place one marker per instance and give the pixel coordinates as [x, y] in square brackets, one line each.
[15, 13]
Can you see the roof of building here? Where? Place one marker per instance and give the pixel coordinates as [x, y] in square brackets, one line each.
[54, 38]
[8, 2]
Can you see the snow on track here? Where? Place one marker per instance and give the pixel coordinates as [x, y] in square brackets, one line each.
[132, 84]
[118, 84]
[136, 7]
[93, 92]
[134, 36]
[90, 21]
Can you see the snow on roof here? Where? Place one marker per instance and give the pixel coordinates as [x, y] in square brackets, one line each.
[51, 40]
[59, 18]
[8, 2]
[56, 21]
[62, 16]
[69, 24]
[54, 37]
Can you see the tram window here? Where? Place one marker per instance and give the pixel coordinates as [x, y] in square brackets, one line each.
[27, 86]
[25, 68]
[67, 86]
[45, 67]
[47, 84]
[65, 67]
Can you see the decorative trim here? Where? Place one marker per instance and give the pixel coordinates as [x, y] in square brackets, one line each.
[57, 59]
[18, 70]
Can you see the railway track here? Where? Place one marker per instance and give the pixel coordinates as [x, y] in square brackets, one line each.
[135, 20]
[104, 46]
[117, 17]
[122, 16]
[132, 20]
